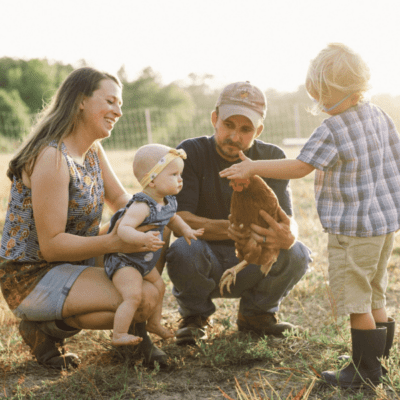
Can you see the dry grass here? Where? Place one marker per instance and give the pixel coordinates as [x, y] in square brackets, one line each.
[229, 365]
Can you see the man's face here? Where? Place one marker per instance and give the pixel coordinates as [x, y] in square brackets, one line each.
[234, 134]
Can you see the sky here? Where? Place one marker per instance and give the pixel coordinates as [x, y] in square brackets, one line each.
[269, 43]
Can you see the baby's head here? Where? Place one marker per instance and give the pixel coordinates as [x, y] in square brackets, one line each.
[337, 70]
[151, 159]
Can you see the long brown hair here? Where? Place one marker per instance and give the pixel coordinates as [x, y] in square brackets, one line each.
[58, 119]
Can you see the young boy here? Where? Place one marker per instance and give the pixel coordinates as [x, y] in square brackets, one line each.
[356, 154]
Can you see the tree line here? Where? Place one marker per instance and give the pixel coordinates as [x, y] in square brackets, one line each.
[27, 85]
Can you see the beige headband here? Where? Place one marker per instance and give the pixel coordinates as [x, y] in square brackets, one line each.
[161, 164]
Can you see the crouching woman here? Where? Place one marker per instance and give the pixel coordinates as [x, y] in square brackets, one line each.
[60, 180]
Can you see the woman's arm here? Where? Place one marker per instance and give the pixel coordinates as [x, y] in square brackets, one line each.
[49, 183]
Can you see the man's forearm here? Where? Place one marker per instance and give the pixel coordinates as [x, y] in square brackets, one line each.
[214, 229]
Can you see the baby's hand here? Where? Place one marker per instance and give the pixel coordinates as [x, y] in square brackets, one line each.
[192, 234]
[242, 170]
[152, 240]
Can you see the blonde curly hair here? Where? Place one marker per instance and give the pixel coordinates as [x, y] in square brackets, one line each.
[338, 67]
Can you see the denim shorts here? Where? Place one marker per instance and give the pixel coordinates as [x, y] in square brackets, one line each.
[46, 301]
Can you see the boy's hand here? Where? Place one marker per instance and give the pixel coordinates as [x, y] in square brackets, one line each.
[242, 170]
[192, 234]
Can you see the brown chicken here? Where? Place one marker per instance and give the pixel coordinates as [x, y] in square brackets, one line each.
[248, 198]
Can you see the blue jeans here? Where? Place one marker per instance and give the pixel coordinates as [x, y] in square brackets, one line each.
[196, 270]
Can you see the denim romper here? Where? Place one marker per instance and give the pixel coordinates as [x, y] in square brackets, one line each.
[144, 262]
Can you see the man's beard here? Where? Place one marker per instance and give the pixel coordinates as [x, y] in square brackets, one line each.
[229, 155]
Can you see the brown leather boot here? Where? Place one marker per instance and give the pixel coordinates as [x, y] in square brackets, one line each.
[191, 328]
[46, 348]
[264, 324]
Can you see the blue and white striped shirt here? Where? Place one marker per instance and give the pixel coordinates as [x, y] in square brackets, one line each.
[357, 180]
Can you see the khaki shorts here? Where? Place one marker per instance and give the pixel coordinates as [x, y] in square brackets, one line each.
[358, 272]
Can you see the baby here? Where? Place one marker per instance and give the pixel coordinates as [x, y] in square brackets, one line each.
[158, 168]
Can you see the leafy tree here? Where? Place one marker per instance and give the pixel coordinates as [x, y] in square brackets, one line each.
[143, 92]
[35, 80]
[14, 115]
[122, 75]
[199, 89]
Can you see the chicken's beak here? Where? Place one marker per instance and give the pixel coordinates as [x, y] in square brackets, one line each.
[239, 184]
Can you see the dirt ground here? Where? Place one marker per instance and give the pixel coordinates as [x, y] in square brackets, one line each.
[220, 368]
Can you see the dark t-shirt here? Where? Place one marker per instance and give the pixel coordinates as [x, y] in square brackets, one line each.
[206, 194]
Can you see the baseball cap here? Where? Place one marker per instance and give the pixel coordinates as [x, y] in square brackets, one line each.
[242, 98]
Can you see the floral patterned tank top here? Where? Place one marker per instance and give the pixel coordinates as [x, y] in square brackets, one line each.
[23, 265]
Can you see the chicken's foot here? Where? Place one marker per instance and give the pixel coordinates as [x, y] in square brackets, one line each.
[229, 277]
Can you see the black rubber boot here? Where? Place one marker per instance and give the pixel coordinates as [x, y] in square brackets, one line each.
[390, 328]
[46, 347]
[365, 368]
[151, 353]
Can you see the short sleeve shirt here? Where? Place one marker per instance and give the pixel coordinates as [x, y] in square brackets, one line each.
[206, 194]
[357, 181]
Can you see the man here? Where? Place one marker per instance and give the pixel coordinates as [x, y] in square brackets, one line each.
[204, 202]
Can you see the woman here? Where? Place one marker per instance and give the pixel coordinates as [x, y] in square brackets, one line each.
[60, 180]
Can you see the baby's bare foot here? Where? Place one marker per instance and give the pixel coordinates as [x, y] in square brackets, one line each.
[159, 330]
[125, 340]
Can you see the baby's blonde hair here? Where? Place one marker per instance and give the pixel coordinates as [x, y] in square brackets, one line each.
[147, 157]
[338, 67]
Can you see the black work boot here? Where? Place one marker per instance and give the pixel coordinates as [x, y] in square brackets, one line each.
[390, 328]
[46, 347]
[148, 349]
[365, 368]
[191, 328]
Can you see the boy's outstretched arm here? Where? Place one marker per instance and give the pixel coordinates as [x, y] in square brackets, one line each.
[276, 169]
[181, 228]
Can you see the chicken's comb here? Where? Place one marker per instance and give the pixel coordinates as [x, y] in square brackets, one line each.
[239, 184]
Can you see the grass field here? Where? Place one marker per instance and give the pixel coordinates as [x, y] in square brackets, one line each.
[229, 365]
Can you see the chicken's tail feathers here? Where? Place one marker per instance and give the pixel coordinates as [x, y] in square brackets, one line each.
[267, 267]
